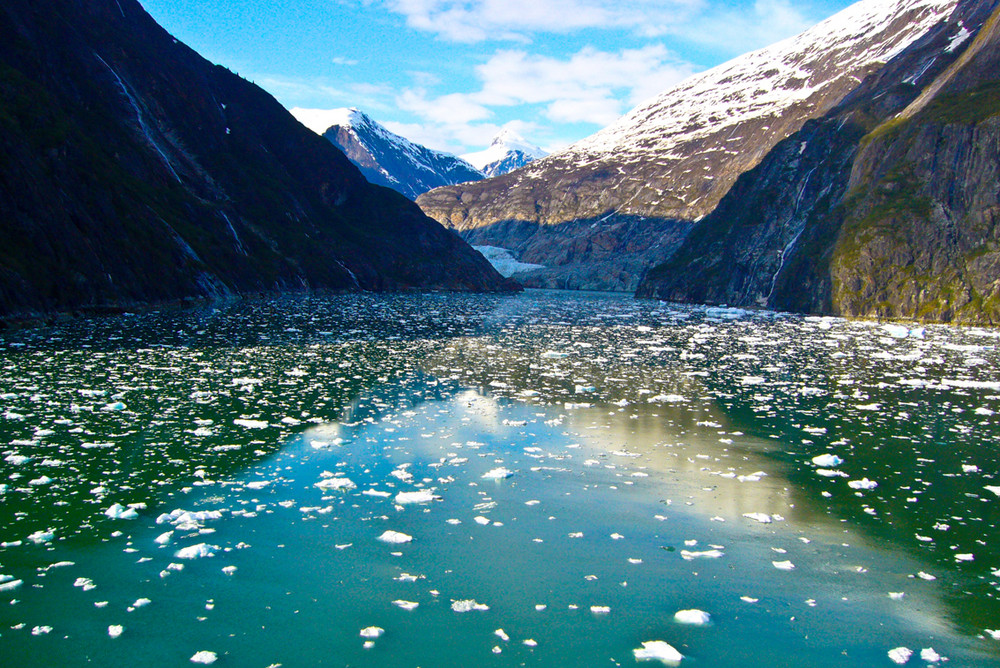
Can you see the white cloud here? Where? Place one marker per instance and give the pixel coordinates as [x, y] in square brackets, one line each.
[591, 86]
[713, 23]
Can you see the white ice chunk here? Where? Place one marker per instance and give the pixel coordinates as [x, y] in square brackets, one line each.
[703, 554]
[658, 650]
[205, 657]
[827, 461]
[468, 605]
[993, 488]
[120, 512]
[900, 655]
[335, 484]
[40, 537]
[115, 630]
[419, 496]
[395, 537]
[783, 565]
[929, 655]
[864, 483]
[372, 632]
[405, 605]
[499, 473]
[198, 551]
[693, 616]
[500, 633]
[763, 518]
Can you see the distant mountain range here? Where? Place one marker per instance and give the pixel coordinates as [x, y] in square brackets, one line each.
[600, 213]
[134, 171]
[508, 151]
[390, 160]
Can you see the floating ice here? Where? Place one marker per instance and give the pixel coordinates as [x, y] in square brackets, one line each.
[405, 605]
[553, 355]
[198, 551]
[929, 655]
[335, 484]
[693, 616]
[993, 488]
[115, 630]
[827, 460]
[251, 424]
[658, 650]
[377, 493]
[372, 632]
[783, 565]
[500, 633]
[205, 657]
[704, 554]
[40, 537]
[164, 538]
[468, 605]
[763, 518]
[229, 570]
[420, 496]
[900, 655]
[8, 583]
[498, 474]
[395, 537]
[120, 512]
[600, 609]
[864, 483]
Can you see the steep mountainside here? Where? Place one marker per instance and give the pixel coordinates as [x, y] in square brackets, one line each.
[390, 160]
[641, 183]
[508, 151]
[887, 207]
[134, 171]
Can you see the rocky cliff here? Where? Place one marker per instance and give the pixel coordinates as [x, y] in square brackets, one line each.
[133, 171]
[886, 207]
[642, 182]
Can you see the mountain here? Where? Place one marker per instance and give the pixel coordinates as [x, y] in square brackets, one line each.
[388, 159]
[134, 171]
[508, 151]
[604, 210]
[885, 207]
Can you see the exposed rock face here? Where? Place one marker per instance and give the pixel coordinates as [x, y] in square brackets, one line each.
[887, 207]
[670, 161]
[393, 161]
[134, 171]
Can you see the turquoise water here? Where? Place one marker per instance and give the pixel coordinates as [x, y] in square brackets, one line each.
[585, 467]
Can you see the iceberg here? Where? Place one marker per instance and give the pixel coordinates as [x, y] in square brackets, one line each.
[395, 537]
[658, 650]
[694, 617]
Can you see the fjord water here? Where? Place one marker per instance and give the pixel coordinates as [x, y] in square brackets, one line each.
[575, 469]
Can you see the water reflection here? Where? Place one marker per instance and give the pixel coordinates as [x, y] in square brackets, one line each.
[669, 449]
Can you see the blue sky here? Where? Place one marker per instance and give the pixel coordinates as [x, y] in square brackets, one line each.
[450, 74]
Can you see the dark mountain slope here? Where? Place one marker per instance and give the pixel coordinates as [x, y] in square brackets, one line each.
[134, 171]
[885, 207]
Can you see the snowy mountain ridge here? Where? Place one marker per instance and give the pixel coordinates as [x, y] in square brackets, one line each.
[508, 151]
[601, 211]
[384, 157]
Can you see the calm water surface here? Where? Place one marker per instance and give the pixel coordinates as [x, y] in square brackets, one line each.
[561, 474]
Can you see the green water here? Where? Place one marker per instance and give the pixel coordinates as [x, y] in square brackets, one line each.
[634, 447]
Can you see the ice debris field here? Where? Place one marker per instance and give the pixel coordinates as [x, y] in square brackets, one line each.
[453, 480]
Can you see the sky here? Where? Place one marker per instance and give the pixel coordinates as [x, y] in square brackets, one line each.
[450, 74]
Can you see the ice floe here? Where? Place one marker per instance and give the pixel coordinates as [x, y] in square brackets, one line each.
[693, 617]
[468, 605]
[658, 650]
[395, 537]
[205, 657]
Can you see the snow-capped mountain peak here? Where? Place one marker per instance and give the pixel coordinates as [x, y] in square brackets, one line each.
[384, 157]
[507, 152]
